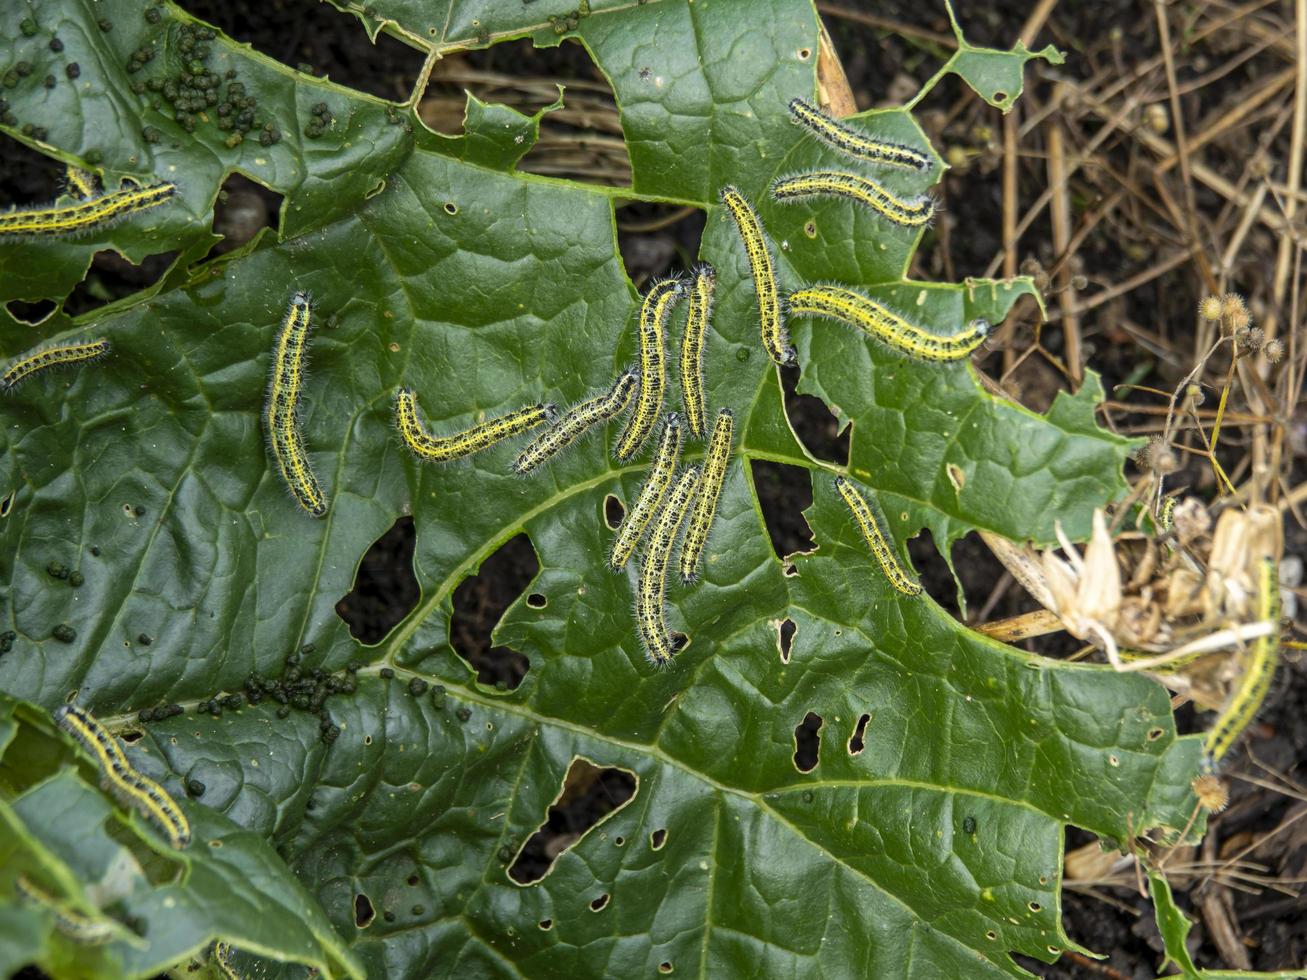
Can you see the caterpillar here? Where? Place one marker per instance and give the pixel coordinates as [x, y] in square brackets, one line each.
[84, 929]
[221, 957]
[575, 422]
[1242, 707]
[666, 456]
[855, 143]
[26, 365]
[438, 449]
[66, 219]
[651, 591]
[870, 527]
[847, 306]
[702, 289]
[770, 314]
[655, 311]
[910, 213]
[710, 488]
[139, 791]
[281, 409]
[1166, 516]
[81, 183]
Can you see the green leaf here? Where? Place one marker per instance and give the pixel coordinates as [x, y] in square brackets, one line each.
[935, 849]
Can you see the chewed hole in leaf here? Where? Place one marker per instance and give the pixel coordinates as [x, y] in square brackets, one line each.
[364, 913]
[814, 424]
[614, 512]
[545, 924]
[665, 966]
[481, 600]
[385, 587]
[600, 903]
[857, 741]
[31, 313]
[785, 631]
[321, 39]
[657, 839]
[807, 742]
[536, 601]
[654, 240]
[784, 492]
[242, 209]
[589, 794]
[112, 277]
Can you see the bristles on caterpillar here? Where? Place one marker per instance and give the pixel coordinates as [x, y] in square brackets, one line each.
[651, 590]
[702, 289]
[83, 929]
[281, 408]
[438, 449]
[854, 143]
[710, 489]
[69, 219]
[577, 421]
[33, 362]
[81, 183]
[909, 213]
[1243, 705]
[655, 312]
[667, 455]
[771, 316]
[222, 959]
[876, 538]
[131, 787]
[855, 309]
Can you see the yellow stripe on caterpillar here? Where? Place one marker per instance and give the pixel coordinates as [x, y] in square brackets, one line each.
[33, 362]
[69, 219]
[702, 289]
[771, 317]
[667, 455]
[130, 786]
[651, 589]
[710, 489]
[655, 312]
[281, 408]
[221, 958]
[854, 143]
[438, 449]
[876, 538]
[81, 183]
[910, 213]
[577, 421]
[84, 929]
[854, 309]
[1244, 703]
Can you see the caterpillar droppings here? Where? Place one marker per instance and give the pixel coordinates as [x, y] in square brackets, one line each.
[1240, 710]
[577, 421]
[438, 449]
[710, 489]
[131, 787]
[651, 590]
[68, 219]
[26, 365]
[702, 289]
[281, 410]
[910, 213]
[850, 307]
[84, 929]
[854, 143]
[667, 455]
[876, 538]
[655, 311]
[771, 316]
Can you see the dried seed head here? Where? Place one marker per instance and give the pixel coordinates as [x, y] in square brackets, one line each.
[1250, 340]
[1211, 792]
[1194, 395]
[1210, 308]
[1240, 321]
[1157, 118]
[1192, 520]
[1274, 351]
[1079, 283]
[1031, 267]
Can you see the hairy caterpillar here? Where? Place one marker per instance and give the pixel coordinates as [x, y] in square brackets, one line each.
[438, 449]
[651, 591]
[221, 957]
[847, 306]
[705, 504]
[85, 929]
[65, 219]
[666, 456]
[281, 411]
[139, 791]
[26, 365]
[81, 183]
[696, 324]
[910, 213]
[1166, 516]
[770, 314]
[855, 143]
[655, 311]
[575, 422]
[1247, 698]
[870, 527]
